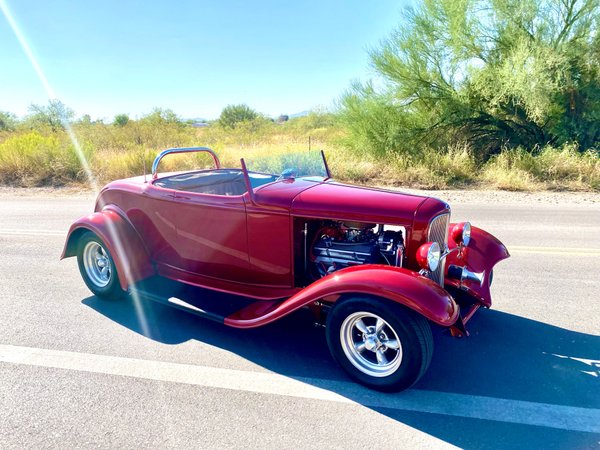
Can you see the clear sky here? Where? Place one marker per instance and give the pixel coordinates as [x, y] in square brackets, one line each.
[108, 57]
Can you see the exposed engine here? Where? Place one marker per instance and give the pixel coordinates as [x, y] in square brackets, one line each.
[342, 244]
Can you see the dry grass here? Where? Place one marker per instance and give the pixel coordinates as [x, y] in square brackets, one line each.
[46, 158]
[548, 168]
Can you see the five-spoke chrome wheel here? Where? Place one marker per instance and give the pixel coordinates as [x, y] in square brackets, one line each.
[371, 344]
[97, 264]
[380, 343]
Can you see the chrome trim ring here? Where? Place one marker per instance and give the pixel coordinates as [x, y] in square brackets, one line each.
[371, 344]
[96, 263]
[438, 232]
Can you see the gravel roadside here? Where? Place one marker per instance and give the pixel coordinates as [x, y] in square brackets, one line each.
[463, 197]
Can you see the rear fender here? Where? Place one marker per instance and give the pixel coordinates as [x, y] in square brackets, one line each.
[124, 244]
[393, 283]
[482, 254]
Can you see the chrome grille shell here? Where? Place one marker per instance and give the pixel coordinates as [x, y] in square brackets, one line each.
[438, 232]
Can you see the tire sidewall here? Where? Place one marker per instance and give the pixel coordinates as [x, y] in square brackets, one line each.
[113, 288]
[401, 320]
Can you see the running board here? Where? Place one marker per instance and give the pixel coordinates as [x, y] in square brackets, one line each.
[206, 303]
[175, 303]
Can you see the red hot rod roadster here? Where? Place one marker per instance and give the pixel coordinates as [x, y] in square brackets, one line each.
[376, 267]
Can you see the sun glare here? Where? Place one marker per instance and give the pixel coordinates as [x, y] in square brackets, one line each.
[82, 159]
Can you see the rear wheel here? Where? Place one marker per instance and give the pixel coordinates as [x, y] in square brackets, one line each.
[381, 344]
[97, 267]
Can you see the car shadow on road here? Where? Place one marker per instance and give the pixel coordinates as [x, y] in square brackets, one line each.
[506, 356]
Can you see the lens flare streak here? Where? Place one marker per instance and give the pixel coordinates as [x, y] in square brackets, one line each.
[114, 235]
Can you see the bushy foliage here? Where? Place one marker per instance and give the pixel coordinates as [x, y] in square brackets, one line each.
[32, 159]
[160, 116]
[493, 73]
[46, 157]
[121, 120]
[55, 115]
[233, 115]
[8, 121]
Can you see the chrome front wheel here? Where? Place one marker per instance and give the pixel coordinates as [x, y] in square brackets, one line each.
[380, 343]
[371, 344]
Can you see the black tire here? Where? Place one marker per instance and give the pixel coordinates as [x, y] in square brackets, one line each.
[92, 272]
[405, 367]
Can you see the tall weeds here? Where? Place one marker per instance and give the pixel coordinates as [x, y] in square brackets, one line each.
[45, 157]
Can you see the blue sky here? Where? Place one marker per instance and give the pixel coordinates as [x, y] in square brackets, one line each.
[195, 57]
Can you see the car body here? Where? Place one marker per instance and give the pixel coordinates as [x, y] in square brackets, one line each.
[377, 267]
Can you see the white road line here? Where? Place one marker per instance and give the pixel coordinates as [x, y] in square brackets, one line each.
[32, 233]
[459, 405]
[555, 250]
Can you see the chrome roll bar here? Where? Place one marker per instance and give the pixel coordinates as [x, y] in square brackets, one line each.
[170, 151]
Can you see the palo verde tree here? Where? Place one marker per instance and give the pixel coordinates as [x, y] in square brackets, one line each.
[55, 115]
[232, 115]
[492, 73]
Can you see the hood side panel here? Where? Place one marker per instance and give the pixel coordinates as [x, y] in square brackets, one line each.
[356, 203]
[281, 194]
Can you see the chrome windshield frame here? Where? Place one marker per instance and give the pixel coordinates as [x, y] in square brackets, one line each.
[171, 151]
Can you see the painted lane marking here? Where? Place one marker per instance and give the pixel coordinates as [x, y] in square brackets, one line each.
[459, 405]
[15, 232]
[565, 251]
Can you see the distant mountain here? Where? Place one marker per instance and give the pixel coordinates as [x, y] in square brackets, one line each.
[300, 114]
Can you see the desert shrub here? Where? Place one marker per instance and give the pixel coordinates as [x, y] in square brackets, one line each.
[495, 74]
[233, 115]
[33, 159]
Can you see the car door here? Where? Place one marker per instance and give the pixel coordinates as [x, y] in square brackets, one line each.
[151, 214]
[212, 235]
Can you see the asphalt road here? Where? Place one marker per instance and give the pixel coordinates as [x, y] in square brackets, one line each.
[76, 371]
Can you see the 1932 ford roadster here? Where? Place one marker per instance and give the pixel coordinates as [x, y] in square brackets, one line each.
[376, 267]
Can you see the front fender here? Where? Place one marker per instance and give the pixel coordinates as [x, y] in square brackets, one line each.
[393, 283]
[124, 244]
[482, 254]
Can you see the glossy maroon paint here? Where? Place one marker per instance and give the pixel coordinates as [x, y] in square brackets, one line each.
[211, 235]
[421, 255]
[482, 254]
[259, 292]
[394, 283]
[456, 232]
[355, 203]
[417, 234]
[269, 246]
[129, 253]
[280, 194]
[245, 245]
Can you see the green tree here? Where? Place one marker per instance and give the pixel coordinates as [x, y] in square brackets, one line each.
[233, 115]
[121, 120]
[8, 121]
[492, 73]
[55, 115]
[86, 119]
[162, 116]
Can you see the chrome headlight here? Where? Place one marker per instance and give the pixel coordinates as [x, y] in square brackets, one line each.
[461, 233]
[429, 255]
[466, 234]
